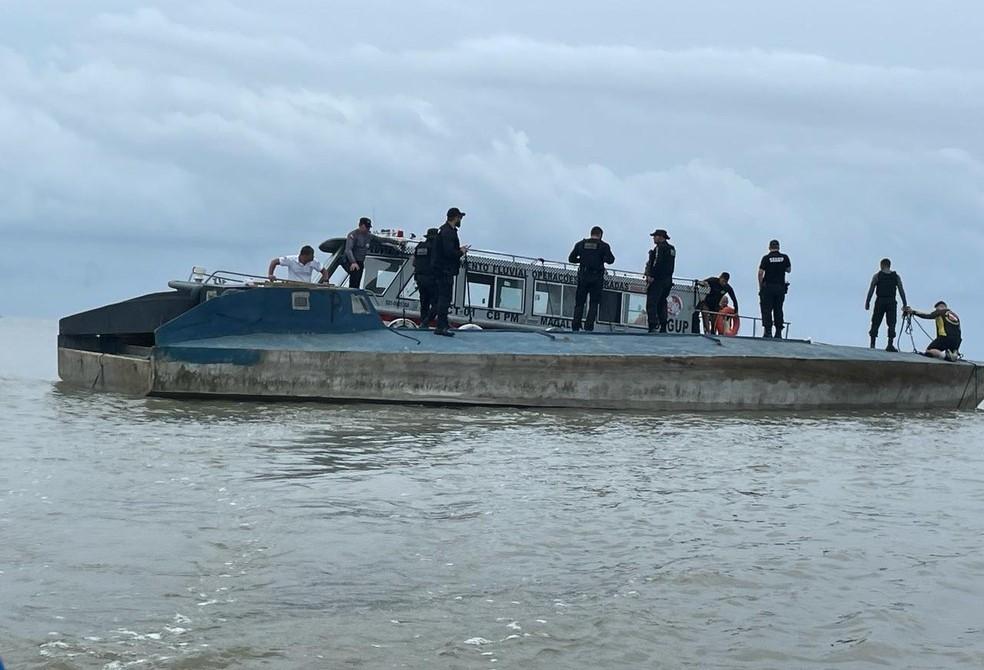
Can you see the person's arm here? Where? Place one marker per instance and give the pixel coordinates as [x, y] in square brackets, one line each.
[925, 315]
[871, 291]
[734, 298]
[761, 272]
[789, 265]
[575, 256]
[609, 256]
[350, 252]
[905, 303]
[273, 264]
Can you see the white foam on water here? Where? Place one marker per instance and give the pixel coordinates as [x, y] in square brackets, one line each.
[514, 625]
[477, 641]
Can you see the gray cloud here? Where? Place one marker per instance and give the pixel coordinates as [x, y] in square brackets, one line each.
[226, 132]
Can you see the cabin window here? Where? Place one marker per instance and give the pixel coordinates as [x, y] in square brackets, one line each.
[339, 277]
[479, 290]
[610, 309]
[551, 299]
[300, 300]
[380, 273]
[509, 294]
[409, 291]
[634, 309]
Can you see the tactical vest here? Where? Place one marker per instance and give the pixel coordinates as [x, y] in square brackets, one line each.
[423, 258]
[591, 256]
[888, 283]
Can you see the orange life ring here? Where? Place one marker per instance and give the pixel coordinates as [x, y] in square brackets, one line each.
[728, 322]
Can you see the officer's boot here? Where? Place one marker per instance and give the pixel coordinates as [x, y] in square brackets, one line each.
[873, 338]
[891, 345]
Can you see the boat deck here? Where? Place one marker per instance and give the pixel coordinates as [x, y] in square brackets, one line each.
[550, 343]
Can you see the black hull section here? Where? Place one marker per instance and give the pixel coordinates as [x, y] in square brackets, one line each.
[120, 327]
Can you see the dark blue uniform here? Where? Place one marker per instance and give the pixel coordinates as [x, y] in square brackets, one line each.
[447, 262]
[659, 268]
[423, 274]
[772, 291]
[590, 254]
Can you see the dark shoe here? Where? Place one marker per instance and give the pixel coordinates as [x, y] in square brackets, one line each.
[445, 333]
[767, 336]
[891, 348]
[872, 345]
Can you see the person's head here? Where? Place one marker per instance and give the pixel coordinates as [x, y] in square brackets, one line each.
[432, 233]
[725, 278]
[454, 216]
[365, 223]
[306, 255]
[886, 264]
[597, 232]
[774, 245]
[659, 236]
[940, 305]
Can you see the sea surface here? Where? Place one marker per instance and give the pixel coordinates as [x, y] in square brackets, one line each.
[148, 533]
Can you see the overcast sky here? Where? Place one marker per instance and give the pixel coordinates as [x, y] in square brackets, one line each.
[137, 140]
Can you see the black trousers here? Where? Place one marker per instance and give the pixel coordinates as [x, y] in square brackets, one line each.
[427, 294]
[888, 309]
[588, 284]
[445, 285]
[355, 278]
[771, 299]
[656, 295]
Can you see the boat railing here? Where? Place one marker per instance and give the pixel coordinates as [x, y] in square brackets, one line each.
[566, 267]
[200, 275]
[786, 325]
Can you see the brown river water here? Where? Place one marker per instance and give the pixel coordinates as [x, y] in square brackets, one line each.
[150, 533]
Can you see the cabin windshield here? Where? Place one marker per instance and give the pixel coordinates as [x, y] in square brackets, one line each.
[380, 273]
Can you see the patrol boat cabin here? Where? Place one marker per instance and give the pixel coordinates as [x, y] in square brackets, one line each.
[495, 290]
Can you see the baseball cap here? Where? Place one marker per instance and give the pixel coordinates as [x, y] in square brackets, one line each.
[659, 231]
[365, 221]
[454, 211]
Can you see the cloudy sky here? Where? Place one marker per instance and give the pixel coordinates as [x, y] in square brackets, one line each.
[138, 139]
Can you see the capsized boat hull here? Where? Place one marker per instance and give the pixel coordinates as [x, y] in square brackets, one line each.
[330, 346]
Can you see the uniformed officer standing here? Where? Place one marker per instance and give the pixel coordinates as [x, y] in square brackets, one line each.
[447, 262]
[884, 286]
[423, 274]
[772, 288]
[356, 248]
[659, 280]
[591, 254]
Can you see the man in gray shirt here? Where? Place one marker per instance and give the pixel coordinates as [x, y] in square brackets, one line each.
[356, 248]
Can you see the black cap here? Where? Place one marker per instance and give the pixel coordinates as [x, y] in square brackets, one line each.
[365, 221]
[432, 232]
[454, 211]
[659, 231]
[773, 244]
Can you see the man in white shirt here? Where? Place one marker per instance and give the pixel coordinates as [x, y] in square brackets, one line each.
[299, 267]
